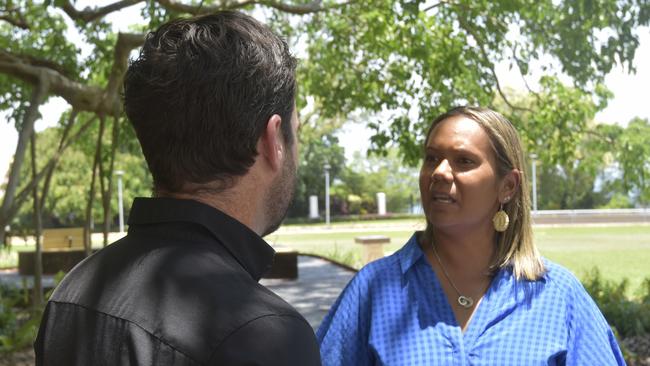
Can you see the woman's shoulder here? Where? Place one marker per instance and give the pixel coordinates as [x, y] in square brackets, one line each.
[561, 278]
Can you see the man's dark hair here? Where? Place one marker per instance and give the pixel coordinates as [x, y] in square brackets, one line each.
[200, 94]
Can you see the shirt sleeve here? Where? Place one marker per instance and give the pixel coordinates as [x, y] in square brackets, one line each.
[273, 340]
[591, 340]
[343, 335]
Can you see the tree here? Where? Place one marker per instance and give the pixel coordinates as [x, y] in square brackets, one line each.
[37, 61]
[65, 200]
[630, 148]
[608, 170]
[318, 146]
[405, 56]
[419, 58]
[364, 177]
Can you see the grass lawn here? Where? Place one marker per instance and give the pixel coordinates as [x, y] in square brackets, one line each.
[618, 251]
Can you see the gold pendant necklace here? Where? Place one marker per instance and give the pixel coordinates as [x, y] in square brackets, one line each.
[464, 301]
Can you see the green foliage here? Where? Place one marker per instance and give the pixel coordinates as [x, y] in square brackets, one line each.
[630, 317]
[16, 327]
[348, 257]
[363, 178]
[318, 146]
[416, 62]
[44, 43]
[618, 200]
[68, 194]
[400, 63]
[632, 155]
[18, 323]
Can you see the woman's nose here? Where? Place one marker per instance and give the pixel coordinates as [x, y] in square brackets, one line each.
[442, 171]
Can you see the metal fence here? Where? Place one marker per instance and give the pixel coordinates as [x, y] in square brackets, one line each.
[613, 216]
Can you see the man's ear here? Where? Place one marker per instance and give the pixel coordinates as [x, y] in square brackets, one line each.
[270, 145]
[510, 183]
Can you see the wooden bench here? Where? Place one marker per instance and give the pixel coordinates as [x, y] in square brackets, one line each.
[62, 249]
[65, 238]
[54, 260]
[373, 247]
[285, 265]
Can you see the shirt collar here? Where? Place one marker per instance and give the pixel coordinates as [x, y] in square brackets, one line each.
[410, 253]
[248, 248]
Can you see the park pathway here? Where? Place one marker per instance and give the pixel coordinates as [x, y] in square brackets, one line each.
[318, 285]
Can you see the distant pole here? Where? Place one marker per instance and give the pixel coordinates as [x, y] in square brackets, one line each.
[120, 206]
[533, 158]
[327, 194]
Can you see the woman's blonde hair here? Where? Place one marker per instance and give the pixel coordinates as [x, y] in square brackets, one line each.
[515, 246]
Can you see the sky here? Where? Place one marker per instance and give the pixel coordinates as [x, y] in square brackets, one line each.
[630, 97]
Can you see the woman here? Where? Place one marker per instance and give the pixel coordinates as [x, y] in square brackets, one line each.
[472, 288]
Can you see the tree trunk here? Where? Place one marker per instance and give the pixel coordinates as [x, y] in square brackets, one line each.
[51, 167]
[38, 257]
[91, 193]
[39, 94]
[108, 193]
[25, 193]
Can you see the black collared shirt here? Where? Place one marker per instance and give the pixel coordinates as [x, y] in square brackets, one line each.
[180, 289]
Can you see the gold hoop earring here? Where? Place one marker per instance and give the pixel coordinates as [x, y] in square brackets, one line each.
[501, 220]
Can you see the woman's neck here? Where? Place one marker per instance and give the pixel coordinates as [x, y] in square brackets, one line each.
[466, 254]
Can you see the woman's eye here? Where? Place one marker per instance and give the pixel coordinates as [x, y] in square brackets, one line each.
[465, 161]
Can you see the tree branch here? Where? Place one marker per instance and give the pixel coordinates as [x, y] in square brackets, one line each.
[23, 194]
[313, 7]
[200, 9]
[35, 61]
[610, 140]
[125, 43]
[80, 96]
[431, 7]
[91, 14]
[39, 94]
[300, 9]
[50, 170]
[523, 77]
[485, 55]
[19, 22]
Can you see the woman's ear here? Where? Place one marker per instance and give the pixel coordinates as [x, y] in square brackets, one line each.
[509, 185]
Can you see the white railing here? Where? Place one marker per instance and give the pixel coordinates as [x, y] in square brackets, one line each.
[613, 211]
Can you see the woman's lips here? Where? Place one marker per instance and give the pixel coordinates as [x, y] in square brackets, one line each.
[442, 197]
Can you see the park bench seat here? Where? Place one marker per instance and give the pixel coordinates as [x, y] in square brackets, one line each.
[65, 238]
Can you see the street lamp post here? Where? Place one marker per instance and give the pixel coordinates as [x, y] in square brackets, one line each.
[120, 206]
[533, 158]
[327, 168]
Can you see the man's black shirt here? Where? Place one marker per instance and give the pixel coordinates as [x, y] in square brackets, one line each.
[180, 289]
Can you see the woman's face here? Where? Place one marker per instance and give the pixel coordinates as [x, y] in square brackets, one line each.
[459, 185]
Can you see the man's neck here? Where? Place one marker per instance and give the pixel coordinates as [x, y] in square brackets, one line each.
[231, 201]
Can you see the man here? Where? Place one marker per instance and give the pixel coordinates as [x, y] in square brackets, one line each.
[212, 101]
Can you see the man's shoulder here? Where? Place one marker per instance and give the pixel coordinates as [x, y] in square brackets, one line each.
[272, 339]
[190, 297]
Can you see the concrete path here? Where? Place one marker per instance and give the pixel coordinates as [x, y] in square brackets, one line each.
[318, 285]
[10, 277]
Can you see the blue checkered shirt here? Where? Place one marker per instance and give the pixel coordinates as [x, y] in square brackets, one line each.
[394, 312]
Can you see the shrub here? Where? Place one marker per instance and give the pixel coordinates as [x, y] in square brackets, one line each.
[19, 322]
[629, 317]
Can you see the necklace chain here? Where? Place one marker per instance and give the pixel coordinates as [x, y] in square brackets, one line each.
[464, 301]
